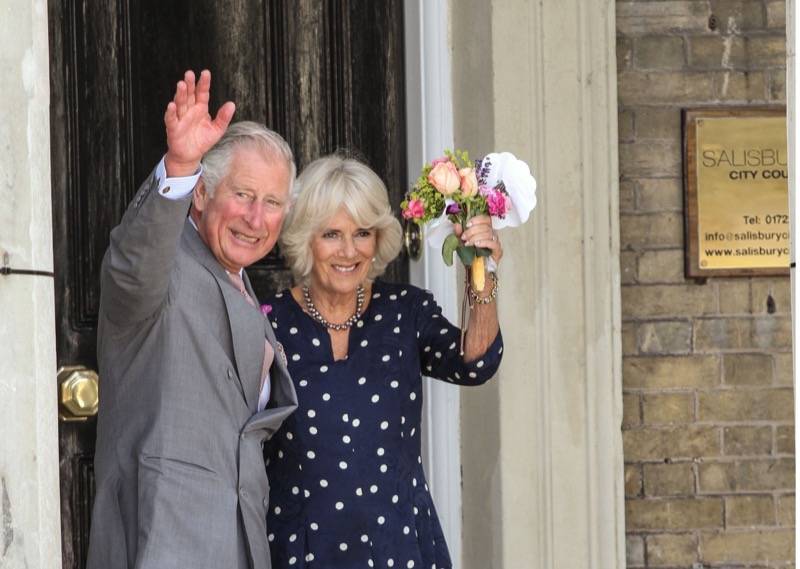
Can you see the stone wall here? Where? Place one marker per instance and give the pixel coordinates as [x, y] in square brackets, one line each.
[707, 365]
[29, 492]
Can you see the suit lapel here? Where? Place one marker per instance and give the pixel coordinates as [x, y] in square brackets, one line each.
[283, 392]
[245, 322]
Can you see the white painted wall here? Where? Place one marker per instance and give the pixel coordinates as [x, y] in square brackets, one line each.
[29, 495]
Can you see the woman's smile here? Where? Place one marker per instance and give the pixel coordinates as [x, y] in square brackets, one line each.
[343, 254]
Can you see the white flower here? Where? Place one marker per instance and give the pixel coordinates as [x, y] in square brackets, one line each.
[520, 185]
[439, 229]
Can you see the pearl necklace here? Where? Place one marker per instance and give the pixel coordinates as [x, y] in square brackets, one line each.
[318, 317]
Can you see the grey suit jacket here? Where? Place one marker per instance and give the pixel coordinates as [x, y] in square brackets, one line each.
[181, 481]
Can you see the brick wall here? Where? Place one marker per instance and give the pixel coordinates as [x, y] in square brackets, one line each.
[707, 366]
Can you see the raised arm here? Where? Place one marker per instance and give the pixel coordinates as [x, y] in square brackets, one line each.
[483, 324]
[138, 265]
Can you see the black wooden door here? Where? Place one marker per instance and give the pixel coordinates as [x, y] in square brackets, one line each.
[324, 73]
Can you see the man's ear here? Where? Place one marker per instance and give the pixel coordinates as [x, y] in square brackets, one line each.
[200, 197]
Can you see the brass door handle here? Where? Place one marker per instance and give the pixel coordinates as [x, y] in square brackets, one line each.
[412, 240]
[77, 393]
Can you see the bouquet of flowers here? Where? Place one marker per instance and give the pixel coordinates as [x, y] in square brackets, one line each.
[452, 189]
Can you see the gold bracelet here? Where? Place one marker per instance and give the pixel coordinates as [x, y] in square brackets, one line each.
[485, 299]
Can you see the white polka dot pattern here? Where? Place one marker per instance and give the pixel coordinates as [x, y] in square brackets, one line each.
[345, 469]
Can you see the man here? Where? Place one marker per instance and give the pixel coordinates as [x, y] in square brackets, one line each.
[189, 387]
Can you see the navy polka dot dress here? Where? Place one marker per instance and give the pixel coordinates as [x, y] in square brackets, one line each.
[347, 485]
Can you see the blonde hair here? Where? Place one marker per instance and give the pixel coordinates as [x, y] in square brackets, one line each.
[327, 186]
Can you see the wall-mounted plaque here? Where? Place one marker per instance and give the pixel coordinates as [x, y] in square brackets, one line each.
[737, 192]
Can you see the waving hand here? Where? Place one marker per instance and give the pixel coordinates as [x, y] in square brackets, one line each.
[191, 132]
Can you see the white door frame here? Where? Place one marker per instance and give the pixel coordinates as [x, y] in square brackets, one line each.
[429, 108]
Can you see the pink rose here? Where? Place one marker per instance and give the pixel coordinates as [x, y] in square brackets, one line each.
[444, 177]
[415, 210]
[469, 182]
[498, 203]
[440, 161]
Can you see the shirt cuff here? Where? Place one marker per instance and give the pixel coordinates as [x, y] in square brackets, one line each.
[176, 188]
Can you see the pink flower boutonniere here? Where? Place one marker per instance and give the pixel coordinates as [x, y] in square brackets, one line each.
[266, 309]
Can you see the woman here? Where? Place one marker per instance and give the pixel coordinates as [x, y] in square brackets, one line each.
[348, 488]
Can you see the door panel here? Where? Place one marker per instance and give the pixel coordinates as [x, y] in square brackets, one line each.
[325, 74]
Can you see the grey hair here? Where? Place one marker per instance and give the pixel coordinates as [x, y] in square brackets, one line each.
[326, 187]
[248, 135]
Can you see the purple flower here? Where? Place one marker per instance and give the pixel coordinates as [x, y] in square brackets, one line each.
[453, 209]
[266, 309]
[483, 168]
